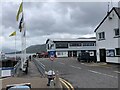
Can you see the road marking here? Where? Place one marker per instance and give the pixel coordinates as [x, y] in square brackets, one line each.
[61, 63]
[117, 71]
[102, 74]
[46, 72]
[65, 84]
[68, 83]
[75, 67]
[82, 63]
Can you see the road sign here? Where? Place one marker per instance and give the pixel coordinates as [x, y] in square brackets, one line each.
[52, 55]
[52, 58]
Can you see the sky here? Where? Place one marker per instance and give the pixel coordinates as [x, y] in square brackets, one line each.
[45, 20]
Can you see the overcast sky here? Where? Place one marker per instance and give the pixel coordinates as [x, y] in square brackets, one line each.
[45, 20]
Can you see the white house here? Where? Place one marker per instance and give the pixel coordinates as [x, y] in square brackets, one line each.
[71, 47]
[108, 37]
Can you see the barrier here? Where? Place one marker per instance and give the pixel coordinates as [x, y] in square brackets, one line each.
[16, 67]
[40, 67]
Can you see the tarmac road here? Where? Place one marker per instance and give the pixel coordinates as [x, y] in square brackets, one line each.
[84, 75]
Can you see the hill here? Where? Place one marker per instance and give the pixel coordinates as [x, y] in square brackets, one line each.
[7, 50]
[36, 48]
[33, 49]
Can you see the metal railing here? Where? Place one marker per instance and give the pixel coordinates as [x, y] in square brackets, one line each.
[40, 67]
[16, 68]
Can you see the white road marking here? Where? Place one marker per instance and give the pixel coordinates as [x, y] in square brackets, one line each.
[75, 67]
[82, 63]
[46, 72]
[117, 71]
[61, 63]
[102, 73]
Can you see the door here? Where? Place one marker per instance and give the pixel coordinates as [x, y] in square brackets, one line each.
[74, 53]
[69, 53]
[102, 55]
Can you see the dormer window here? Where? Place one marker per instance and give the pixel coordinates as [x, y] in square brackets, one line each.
[117, 32]
[101, 36]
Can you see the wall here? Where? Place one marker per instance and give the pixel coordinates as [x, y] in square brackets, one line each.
[110, 42]
[62, 53]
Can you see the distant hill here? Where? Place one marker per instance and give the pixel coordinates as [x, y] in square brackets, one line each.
[7, 50]
[33, 49]
[36, 48]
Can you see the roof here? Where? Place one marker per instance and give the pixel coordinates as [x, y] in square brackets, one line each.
[70, 39]
[117, 11]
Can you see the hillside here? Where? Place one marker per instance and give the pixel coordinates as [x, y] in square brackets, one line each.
[7, 50]
[36, 48]
[33, 49]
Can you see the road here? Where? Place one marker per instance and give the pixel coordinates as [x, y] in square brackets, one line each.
[84, 75]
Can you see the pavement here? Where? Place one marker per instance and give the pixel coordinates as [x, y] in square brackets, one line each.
[36, 82]
[33, 77]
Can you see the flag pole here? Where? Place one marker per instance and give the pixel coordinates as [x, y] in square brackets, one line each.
[15, 47]
[23, 40]
[22, 46]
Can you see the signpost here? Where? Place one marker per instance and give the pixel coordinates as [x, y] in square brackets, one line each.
[52, 55]
[52, 58]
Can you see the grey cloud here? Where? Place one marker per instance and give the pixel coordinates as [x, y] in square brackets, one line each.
[9, 15]
[60, 19]
[81, 15]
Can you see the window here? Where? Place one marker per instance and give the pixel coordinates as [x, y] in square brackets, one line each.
[110, 53]
[88, 44]
[61, 45]
[75, 43]
[101, 36]
[117, 51]
[117, 32]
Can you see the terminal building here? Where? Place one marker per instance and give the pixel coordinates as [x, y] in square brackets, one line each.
[108, 37]
[71, 47]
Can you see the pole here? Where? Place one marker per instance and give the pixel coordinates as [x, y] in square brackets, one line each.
[21, 51]
[23, 38]
[15, 47]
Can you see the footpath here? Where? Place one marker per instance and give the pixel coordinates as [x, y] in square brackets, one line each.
[32, 77]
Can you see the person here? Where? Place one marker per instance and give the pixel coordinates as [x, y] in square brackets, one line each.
[30, 57]
[51, 76]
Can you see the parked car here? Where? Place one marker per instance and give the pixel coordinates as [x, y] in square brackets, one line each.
[83, 57]
[87, 57]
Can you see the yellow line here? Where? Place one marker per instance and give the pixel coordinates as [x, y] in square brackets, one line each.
[65, 84]
[68, 84]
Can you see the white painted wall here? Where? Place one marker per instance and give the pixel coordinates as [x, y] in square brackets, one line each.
[110, 42]
[62, 53]
[49, 43]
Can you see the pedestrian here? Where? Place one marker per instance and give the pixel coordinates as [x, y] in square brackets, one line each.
[30, 57]
[50, 76]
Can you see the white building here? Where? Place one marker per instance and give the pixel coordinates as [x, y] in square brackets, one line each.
[108, 37]
[71, 47]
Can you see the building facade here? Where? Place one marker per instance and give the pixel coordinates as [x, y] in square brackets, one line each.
[71, 47]
[108, 37]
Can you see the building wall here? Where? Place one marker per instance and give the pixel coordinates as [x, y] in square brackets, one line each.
[51, 46]
[63, 52]
[119, 28]
[110, 42]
